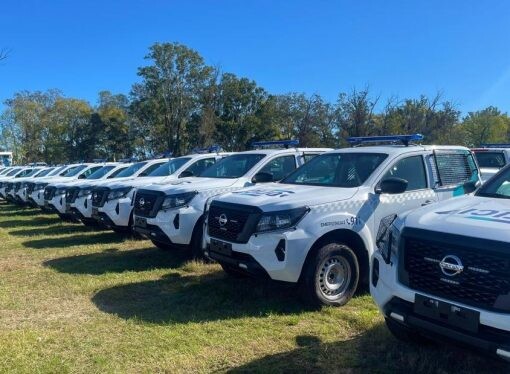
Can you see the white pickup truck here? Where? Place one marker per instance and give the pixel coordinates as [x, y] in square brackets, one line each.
[443, 271]
[171, 215]
[317, 226]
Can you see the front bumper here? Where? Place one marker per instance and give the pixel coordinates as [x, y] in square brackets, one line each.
[37, 197]
[115, 213]
[58, 202]
[280, 254]
[173, 226]
[82, 205]
[398, 302]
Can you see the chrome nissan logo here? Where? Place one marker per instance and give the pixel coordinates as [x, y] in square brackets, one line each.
[222, 219]
[141, 202]
[451, 265]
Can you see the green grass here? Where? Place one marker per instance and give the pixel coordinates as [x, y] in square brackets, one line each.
[77, 300]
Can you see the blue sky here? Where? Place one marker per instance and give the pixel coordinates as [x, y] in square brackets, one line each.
[398, 48]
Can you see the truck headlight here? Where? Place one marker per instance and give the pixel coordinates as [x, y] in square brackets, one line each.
[85, 192]
[282, 219]
[388, 238]
[119, 193]
[177, 200]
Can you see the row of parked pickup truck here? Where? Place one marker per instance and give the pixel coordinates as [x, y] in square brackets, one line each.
[412, 222]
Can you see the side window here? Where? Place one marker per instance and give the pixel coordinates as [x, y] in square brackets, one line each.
[150, 169]
[114, 174]
[88, 172]
[280, 167]
[308, 156]
[452, 167]
[412, 169]
[198, 167]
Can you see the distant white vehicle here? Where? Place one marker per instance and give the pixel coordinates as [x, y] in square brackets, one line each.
[5, 158]
[443, 271]
[491, 158]
[113, 202]
[172, 215]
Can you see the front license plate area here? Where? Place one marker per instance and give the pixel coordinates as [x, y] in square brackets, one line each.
[450, 314]
[141, 222]
[221, 247]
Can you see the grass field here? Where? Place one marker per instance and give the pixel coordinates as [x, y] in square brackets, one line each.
[77, 300]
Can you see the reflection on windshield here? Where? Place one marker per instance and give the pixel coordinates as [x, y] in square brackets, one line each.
[131, 170]
[234, 166]
[100, 172]
[498, 186]
[337, 170]
[170, 167]
[74, 171]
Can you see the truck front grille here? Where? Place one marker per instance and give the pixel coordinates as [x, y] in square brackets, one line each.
[232, 222]
[99, 196]
[49, 192]
[484, 281]
[148, 202]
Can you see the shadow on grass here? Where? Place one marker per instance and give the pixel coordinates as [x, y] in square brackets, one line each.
[34, 222]
[74, 240]
[21, 212]
[115, 261]
[52, 230]
[211, 297]
[374, 350]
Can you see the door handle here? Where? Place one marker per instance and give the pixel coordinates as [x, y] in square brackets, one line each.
[427, 202]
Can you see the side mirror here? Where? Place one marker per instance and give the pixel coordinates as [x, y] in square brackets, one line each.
[391, 186]
[470, 186]
[82, 176]
[262, 177]
[186, 174]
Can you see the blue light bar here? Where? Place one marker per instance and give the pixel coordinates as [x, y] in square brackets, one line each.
[496, 145]
[404, 139]
[272, 143]
[212, 149]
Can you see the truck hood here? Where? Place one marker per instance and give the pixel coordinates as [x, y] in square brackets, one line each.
[287, 196]
[136, 183]
[472, 216]
[192, 184]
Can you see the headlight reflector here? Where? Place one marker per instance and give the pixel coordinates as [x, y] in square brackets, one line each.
[282, 219]
[177, 200]
[119, 193]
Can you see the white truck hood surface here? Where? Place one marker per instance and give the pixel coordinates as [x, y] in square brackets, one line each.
[193, 184]
[61, 181]
[472, 216]
[278, 196]
[136, 182]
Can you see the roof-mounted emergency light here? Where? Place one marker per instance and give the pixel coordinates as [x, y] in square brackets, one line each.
[404, 139]
[276, 143]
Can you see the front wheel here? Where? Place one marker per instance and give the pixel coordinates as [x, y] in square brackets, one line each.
[161, 245]
[331, 277]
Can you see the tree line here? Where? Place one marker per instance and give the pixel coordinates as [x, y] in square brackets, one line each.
[181, 103]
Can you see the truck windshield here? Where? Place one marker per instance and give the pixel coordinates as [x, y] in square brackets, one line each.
[337, 170]
[74, 171]
[498, 186]
[32, 173]
[234, 166]
[101, 172]
[170, 167]
[490, 159]
[131, 170]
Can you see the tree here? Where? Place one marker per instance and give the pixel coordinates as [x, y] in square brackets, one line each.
[485, 126]
[170, 88]
[355, 113]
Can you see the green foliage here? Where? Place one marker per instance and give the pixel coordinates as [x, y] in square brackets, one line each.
[182, 103]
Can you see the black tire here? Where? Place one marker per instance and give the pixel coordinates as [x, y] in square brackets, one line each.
[90, 223]
[197, 237]
[331, 276]
[404, 333]
[232, 271]
[162, 246]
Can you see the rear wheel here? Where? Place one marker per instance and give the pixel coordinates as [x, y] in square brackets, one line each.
[331, 277]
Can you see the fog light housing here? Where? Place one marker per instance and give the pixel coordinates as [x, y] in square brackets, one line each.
[176, 222]
[375, 272]
[280, 250]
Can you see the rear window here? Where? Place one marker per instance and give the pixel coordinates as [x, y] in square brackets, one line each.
[490, 159]
[454, 167]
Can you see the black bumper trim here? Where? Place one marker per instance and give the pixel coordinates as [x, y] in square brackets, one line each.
[251, 266]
